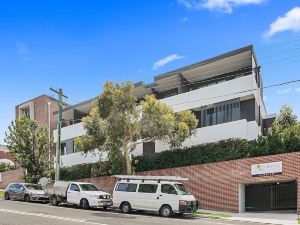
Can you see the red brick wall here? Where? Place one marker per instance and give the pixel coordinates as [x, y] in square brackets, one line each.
[216, 185]
[7, 155]
[11, 177]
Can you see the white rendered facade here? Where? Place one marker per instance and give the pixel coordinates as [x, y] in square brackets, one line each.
[224, 93]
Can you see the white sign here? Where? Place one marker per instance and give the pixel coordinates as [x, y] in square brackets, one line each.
[266, 169]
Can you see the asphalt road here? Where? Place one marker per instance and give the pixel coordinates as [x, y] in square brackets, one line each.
[21, 213]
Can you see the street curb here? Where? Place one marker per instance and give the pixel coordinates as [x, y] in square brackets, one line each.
[228, 219]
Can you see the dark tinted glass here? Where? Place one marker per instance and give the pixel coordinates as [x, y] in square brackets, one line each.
[74, 187]
[127, 187]
[148, 188]
[168, 189]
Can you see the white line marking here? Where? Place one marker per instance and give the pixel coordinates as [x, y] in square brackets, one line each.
[50, 217]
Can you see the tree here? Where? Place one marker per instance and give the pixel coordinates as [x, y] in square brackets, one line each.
[117, 123]
[286, 118]
[30, 144]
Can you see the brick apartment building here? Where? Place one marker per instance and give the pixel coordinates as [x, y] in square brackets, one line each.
[41, 110]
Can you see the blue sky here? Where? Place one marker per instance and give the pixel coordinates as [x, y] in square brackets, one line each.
[78, 45]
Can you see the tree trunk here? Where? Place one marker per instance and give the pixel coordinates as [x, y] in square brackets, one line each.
[128, 161]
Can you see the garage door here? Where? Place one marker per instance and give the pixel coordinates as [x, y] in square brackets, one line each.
[271, 196]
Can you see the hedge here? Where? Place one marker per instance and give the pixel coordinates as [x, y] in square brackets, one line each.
[225, 150]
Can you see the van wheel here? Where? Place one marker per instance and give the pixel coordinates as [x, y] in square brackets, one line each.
[53, 200]
[85, 204]
[6, 196]
[27, 198]
[166, 211]
[126, 207]
[105, 207]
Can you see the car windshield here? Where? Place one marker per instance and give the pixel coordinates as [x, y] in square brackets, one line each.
[182, 189]
[33, 187]
[89, 187]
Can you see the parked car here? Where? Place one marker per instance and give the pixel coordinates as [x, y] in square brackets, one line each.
[25, 192]
[84, 195]
[161, 194]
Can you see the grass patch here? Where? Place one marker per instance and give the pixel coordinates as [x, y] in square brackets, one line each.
[221, 215]
[298, 220]
[1, 193]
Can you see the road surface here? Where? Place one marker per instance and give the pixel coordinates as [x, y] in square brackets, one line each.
[21, 213]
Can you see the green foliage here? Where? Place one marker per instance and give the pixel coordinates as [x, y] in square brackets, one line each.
[5, 167]
[280, 141]
[286, 118]
[212, 152]
[83, 171]
[117, 124]
[30, 144]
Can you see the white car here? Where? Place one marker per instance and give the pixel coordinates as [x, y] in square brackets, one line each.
[164, 195]
[81, 194]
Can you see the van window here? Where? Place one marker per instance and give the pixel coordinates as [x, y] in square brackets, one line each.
[182, 189]
[127, 187]
[74, 187]
[168, 189]
[148, 188]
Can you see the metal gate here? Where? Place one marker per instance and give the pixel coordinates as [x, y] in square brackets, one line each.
[271, 196]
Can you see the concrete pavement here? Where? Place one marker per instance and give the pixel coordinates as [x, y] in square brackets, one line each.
[21, 213]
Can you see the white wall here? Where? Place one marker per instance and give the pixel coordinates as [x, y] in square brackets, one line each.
[81, 158]
[70, 132]
[212, 94]
[236, 129]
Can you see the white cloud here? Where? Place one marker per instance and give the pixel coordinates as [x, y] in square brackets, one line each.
[290, 21]
[297, 89]
[225, 6]
[166, 60]
[284, 91]
[22, 50]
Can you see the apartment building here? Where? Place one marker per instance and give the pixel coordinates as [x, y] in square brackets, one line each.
[41, 109]
[225, 93]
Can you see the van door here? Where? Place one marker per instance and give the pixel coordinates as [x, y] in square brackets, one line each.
[73, 195]
[147, 197]
[169, 195]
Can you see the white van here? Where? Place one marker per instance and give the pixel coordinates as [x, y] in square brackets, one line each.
[162, 194]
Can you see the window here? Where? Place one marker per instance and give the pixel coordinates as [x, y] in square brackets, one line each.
[148, 188]
[33, 187]
[148, 148]
[89, 187]
[74, 187]
[26, 112]
[127, 187]
[221, 112]
[168, 189]
[182, 189]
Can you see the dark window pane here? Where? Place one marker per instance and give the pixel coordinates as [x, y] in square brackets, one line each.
[168, 189]
[127, 187]
[148, 188]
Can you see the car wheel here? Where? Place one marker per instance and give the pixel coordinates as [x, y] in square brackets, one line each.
[27, 198]
[85, 204]
[6, 196]
[166, 211]
[126, 207]
[105, 207]
[53, 200]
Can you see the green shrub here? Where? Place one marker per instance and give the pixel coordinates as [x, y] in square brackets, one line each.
[212, 152]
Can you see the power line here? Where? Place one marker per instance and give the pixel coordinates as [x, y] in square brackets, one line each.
[239, 92]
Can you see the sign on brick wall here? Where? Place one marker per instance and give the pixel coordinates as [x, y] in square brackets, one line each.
[266, 169]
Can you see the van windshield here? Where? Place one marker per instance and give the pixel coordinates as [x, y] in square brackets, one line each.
[33, 187]
[182, 189]
[89, 187]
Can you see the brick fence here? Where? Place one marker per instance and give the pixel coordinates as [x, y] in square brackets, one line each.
[10, 177]
[7, 155]
[216, 185]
